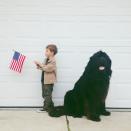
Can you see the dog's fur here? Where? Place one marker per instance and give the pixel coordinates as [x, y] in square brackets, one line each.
[90, 91]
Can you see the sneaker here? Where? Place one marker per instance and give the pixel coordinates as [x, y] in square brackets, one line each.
[41, 111]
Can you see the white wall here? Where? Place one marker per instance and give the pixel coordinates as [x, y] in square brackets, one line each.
[79, 28]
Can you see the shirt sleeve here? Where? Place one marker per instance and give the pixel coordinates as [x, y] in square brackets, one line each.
[49, 67]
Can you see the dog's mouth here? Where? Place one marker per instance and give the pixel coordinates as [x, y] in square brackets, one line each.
[101, 68]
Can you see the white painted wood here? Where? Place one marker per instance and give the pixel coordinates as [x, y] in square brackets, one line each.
[79, 28]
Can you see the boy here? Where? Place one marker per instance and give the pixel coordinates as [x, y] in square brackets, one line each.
[48, 76]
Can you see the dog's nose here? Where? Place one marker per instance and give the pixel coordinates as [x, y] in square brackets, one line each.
[101, 68]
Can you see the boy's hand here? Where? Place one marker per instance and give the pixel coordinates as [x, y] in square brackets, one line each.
[38, 64]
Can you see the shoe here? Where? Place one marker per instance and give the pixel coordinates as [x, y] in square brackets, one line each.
[41, 111]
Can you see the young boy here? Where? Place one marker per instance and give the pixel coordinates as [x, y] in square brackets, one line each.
[48, 76]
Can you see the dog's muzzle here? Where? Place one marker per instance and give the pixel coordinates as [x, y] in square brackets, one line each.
[101, 68]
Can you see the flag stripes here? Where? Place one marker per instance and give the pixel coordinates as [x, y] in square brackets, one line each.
[17, 62]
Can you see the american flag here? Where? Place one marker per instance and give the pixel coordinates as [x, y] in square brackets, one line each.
[17, 62]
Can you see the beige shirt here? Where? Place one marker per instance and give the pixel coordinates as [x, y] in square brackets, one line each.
[49, 69]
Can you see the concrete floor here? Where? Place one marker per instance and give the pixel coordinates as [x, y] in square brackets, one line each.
[31, 120]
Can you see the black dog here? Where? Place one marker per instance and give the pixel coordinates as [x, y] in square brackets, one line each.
[90, 91]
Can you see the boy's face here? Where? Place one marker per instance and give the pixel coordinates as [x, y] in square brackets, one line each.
[48, 53]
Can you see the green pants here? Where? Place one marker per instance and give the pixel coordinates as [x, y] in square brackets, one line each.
[47, 95]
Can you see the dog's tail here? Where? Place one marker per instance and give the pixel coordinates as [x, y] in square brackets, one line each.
[57, 111]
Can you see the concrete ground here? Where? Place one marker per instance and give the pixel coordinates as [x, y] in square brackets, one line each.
[31, 120]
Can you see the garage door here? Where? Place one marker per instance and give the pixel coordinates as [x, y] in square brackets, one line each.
[79, 28]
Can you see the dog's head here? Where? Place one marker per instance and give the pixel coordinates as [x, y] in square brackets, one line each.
[100, 63]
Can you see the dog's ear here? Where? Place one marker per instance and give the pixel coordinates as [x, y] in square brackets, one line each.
[91, 57]
[110, 72]
[89, 64]
[110, 62]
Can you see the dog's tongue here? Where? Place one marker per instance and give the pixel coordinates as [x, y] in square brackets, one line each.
[101, 68]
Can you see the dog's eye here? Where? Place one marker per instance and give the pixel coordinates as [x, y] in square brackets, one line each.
[101, 68]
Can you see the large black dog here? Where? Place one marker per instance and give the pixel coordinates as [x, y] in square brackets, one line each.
[90, 91]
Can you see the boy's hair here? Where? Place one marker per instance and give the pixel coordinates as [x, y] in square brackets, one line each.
[52, 48]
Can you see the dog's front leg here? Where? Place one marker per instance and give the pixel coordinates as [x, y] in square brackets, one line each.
[91, 111]
[103, 110]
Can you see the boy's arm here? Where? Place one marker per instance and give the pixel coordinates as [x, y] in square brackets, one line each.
[48, 68]
[37, 64]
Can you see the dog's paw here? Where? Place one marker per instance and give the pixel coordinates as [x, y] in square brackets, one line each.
[77, 116]
[95, 118]
[105, 113]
